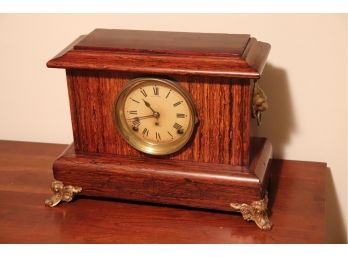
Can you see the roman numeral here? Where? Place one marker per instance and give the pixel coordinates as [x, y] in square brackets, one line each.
[177, 103]
[145, 132]
[158, 136]
[135, 124]
[177, 126]
[170, 134]
[143, 92]
[155, 90]
[135, 100]
[168, 93]
[180, 115]
[133, 112]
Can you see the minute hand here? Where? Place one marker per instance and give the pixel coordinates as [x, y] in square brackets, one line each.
[142, 117]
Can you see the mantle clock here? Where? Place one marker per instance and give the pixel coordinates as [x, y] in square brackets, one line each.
[165, 117]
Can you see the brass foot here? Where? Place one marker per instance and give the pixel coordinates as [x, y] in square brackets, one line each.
[61, 193]
[256, 211]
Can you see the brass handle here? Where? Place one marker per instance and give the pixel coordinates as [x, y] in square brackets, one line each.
[259, 103]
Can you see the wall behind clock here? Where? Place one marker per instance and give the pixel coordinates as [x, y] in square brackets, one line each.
[305, 79]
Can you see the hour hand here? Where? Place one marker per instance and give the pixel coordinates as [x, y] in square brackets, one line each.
[147, 104]
[155, 114]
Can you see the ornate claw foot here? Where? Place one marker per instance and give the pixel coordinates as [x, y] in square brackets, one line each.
[256, 211]
[61, 193]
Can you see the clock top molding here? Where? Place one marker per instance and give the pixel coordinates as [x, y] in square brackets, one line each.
[161, 52]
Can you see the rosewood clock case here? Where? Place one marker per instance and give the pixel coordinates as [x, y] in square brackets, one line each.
[221, 167]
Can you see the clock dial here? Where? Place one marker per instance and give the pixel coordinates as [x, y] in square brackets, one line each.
[155, 116]
[157, 113]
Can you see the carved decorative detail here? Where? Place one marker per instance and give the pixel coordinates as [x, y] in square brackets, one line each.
[259, 103]
[256, 211]
[61, 193]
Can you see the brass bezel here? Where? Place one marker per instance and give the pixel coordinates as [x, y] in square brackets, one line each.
[136, 142]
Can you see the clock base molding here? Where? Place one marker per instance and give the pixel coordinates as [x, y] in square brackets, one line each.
[200, 185]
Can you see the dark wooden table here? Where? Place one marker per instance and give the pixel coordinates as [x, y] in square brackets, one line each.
[297, 198]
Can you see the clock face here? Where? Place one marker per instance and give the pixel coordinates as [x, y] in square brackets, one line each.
[155, 116]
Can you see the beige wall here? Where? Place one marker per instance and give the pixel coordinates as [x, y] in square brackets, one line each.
[305, 79]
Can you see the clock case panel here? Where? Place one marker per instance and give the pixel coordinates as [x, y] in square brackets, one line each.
[220, 165]
[183, 183]
[222, 138]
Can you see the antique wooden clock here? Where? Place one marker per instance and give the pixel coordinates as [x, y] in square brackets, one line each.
[165, 117]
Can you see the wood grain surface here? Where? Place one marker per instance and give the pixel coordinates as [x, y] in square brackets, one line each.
[216, 70]
[164, 42]
[184, 183]
[297, 191]
[171, 53]
[223, 106]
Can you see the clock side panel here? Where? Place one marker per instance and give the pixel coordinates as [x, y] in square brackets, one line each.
[223, 106]
[92, 95]
[223, 133]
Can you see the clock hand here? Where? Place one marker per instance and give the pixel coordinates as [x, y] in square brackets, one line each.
[148, 105]
[155, 114]
[143, 117]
